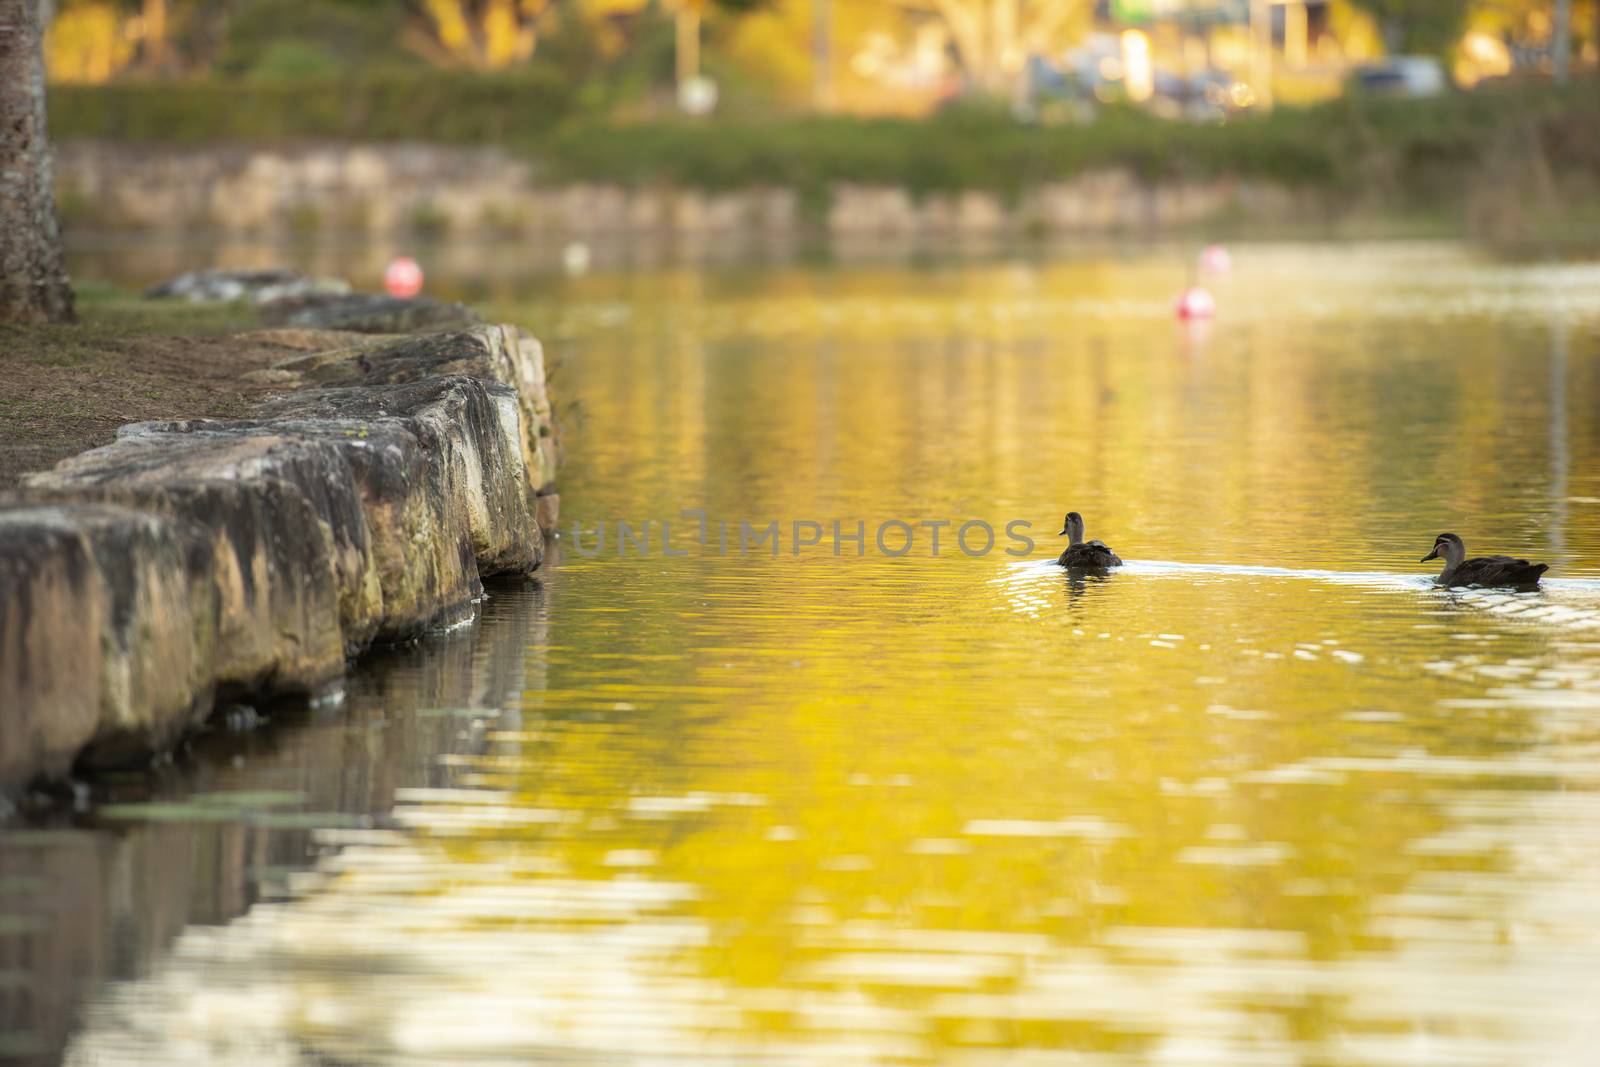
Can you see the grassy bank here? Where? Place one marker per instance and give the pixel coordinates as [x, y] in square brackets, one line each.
[1415, 149]
[69, 388]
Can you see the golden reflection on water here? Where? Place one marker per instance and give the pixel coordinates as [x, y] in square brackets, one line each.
[824, 809]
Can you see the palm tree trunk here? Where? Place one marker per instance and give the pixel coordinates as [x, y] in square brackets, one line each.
[33, 281]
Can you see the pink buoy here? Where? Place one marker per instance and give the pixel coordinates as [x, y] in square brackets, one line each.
[1196, 303]
[1216, 260]
[403, 279]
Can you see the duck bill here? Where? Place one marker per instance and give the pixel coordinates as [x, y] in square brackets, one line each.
[1063, 532]
[1431, 555]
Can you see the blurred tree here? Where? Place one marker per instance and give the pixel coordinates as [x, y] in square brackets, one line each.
[1420, 27]
[153, 31]
[286, 39]
[33, 281]
[88, 42]
[482, 34]
[1508, 37]
[766, 58]
[994, 38]
[1528, 27]
[94, 40]
[492, 34]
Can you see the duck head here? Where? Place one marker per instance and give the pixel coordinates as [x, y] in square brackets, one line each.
[1450, 547]
[1072, 528]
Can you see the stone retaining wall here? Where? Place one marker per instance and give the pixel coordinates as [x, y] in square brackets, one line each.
[387, 189]
[192, 563]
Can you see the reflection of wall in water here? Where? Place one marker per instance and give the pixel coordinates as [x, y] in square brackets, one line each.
[80, 906]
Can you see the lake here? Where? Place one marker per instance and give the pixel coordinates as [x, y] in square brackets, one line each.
[1263, 796]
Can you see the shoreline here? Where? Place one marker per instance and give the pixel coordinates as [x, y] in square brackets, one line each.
[194, 564]
[436, 190]
[433, 193]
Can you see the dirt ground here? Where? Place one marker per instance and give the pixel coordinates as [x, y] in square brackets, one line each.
[64, 389]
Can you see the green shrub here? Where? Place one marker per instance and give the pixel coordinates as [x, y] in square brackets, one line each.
[454, 108]
[1416, 147]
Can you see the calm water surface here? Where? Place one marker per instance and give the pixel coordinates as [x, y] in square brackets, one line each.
[1264, 797]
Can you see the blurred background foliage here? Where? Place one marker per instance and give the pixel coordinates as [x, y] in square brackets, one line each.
[881, 55]
[926, 94]
[626, 41]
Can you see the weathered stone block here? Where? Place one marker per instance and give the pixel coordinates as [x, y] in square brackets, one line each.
[366, 313]
[500, 353]
[108, 629]
[196, 559]
[288, 538]
[256, 286]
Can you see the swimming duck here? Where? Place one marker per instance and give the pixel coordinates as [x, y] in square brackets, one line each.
[1082, 555]
[1500, 572]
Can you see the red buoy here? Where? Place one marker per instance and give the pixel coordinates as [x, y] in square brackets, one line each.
[1216, 260]
[403, 279]
[1196, 303]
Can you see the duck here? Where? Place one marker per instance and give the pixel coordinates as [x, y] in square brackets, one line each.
[1495, 572]
[1081, 555]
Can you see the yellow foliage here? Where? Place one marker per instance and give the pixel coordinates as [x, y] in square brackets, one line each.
[488, 35]
[450, 24]
[87, 43]
[1355, 31]
[604, 8]
[774, 46]
[1498, 28]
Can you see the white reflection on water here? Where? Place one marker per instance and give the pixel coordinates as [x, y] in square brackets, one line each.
[1572, 603]
[400, 966]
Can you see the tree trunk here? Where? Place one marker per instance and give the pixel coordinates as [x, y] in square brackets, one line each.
[155, 35]
[33, 281]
